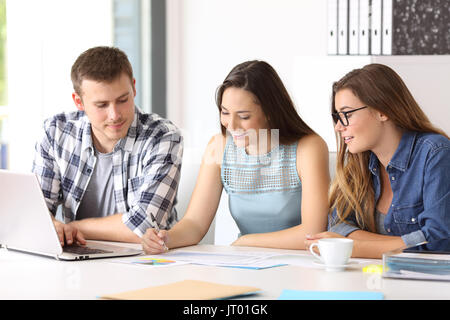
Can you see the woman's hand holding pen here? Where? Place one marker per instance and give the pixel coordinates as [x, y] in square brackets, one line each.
[154, 241]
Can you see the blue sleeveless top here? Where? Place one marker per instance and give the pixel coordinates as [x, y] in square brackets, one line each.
[264, 191]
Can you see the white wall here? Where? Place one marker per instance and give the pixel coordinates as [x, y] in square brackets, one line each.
[216, 35]
[44, 39]
[206, 38]
[428, 79]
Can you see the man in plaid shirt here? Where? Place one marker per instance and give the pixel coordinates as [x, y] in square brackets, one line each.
[113, 168]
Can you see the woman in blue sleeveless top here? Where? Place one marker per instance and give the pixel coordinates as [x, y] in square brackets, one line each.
[272, 165]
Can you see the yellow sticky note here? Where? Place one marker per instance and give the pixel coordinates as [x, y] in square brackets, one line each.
[373, 268]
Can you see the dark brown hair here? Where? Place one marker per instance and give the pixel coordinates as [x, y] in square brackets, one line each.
[100, 64]
[260, 79]
[382, 89]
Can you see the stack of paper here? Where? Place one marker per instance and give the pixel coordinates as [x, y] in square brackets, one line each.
[417, 266]
[246, 260]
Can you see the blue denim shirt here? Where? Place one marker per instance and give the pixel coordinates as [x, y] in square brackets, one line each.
[419, 173]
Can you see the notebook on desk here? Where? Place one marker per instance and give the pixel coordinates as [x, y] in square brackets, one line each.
[26, 224]
[426, 261]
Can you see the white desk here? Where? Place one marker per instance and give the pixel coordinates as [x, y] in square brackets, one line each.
[25, 276]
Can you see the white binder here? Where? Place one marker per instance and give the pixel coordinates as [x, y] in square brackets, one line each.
[332, 27]
[364, 27]
[343, 27]
[375, 25]
[353, 36]
[386, 37]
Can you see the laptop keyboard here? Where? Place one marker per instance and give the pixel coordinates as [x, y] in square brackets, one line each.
[76, 249]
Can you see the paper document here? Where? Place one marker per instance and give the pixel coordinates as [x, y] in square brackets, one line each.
[405, 274]
[308, 261]
[150, 261]
[417, 266]
[424, 276]
[248, 260]
[418, 255]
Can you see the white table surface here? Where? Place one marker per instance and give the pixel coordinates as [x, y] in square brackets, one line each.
[25, 276]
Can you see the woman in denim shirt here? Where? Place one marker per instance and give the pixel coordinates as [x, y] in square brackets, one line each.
[392, 186]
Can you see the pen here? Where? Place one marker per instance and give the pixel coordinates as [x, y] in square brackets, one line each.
[157, 231]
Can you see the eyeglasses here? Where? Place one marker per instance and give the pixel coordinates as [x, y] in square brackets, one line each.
[343, 116]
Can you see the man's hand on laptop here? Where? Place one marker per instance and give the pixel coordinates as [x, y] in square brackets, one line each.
[68, 234]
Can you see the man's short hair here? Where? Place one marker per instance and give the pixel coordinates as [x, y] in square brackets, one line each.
[103, 64]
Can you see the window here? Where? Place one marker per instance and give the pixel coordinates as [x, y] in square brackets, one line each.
[3, 87]
[127, 37]
[139, 30]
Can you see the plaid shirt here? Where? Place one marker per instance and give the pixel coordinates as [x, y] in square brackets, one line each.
[146, 168]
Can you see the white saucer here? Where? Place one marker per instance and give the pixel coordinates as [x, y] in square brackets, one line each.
[336, 267]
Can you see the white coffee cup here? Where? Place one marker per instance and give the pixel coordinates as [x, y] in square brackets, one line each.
[334, 252]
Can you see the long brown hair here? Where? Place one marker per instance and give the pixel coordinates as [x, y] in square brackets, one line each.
[382, 89]
[259, 78]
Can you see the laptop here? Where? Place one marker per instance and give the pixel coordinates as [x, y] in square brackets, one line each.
[26, 224]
